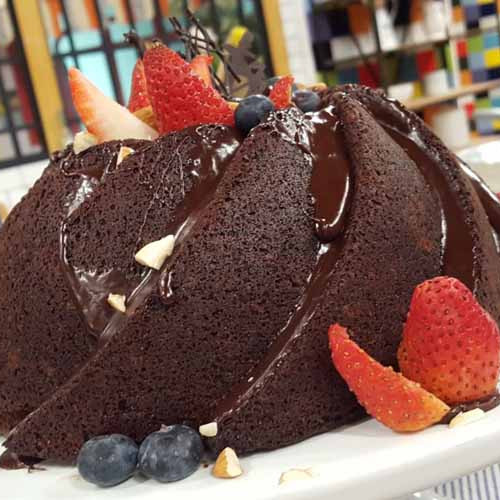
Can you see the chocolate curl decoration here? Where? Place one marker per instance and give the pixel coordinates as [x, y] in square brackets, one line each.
[243, 73]
[134, 39]
[251, 72]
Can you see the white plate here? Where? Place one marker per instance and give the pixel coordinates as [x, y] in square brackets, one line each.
[359, 462]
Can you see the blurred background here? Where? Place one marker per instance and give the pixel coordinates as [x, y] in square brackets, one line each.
[440, 57]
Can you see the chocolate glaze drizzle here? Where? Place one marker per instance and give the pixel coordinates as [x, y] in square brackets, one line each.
[487, 403]
[319, 135]
[458, 245]
[209, 157]
[457, 242]
[90, 290]
[331, 177]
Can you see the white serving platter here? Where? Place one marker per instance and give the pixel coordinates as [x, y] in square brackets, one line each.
[365, 461]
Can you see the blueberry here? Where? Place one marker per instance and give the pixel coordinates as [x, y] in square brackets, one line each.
[171, 454]
[306, 100]
[108, 460]
[251, 111]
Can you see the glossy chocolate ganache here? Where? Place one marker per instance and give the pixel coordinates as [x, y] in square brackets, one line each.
[233, 328]
[487, 403]
[201, 156]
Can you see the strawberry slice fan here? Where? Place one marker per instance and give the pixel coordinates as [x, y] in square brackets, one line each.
[449, 355]
[139, 97]
[179, 96]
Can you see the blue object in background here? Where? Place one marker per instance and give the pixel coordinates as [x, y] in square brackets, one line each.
[349, 75]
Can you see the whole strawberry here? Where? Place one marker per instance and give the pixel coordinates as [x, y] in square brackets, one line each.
[180, 98]
[450, 345]
[393, 400]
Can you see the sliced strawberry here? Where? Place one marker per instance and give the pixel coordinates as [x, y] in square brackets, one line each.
[102, 116]
[389, 397]
[179, 97]
[201, 66]
[281, 93]
[147, 116]
[139, 98]
[450, 345]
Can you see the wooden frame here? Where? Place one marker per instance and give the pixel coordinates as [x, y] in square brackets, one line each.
[276, 38]
[41, 68]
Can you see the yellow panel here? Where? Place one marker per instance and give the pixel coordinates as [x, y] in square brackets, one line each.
[276, 38]
[496, 124]
[484, 2]
[41, 69]
[492, 58]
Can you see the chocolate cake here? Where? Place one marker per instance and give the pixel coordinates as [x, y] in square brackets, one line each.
[316, 218]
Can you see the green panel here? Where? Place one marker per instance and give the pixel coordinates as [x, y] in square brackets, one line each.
[475, 44]
[331, 78]
[483, 102]
[391, 68]
[448, 57]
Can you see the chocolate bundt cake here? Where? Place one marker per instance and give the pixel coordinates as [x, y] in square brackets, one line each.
[316, 218]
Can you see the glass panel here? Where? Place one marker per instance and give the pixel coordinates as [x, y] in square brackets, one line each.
[16, 114]
[62, 45]
[115, 18]
[7, 76]
[29, 142]
[145, 28]
[84, 24]
[6, 147]
[69, 62]
[6, 28]
[125, 61]
[96, 69]
[143, 13]
[20, 105]
[82, 20]
[84, 40]
[17, 94]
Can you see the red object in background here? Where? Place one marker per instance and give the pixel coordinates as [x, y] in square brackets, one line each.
[426, 62]
[470, 107]
[23, 95]
[369, 76]
[462, 48]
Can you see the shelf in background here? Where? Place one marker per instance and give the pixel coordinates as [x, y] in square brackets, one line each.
[475, 88]
[405, 47]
